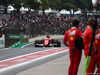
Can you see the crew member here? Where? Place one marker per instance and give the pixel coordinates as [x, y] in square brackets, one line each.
[75, 56]
[97, 49]
[87, 42]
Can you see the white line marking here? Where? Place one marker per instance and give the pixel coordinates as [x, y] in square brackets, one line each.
[4, 49]
[26, 45]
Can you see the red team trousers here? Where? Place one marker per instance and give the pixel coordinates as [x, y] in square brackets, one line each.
[75, 58]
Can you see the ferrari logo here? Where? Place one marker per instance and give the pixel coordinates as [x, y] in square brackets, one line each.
[71, 38]
[96, 41]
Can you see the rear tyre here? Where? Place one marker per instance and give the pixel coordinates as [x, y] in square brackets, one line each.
[36, 43]
[58, 44]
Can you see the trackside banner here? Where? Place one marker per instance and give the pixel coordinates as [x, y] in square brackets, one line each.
[15, 36]
[2, 41]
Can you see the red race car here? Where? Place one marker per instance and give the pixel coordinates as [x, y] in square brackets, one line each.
[47, 42]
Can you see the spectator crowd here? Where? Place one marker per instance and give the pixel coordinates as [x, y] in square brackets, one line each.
[35, 24]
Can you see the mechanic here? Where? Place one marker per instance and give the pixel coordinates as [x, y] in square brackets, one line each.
[69, 40]
[97, 49]
[86, 42]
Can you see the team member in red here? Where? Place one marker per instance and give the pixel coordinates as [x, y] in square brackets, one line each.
[87, 42]
[70, 36]
[97, 47]
[98, 31]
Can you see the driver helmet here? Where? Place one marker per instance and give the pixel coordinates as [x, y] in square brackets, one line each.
[48, 36]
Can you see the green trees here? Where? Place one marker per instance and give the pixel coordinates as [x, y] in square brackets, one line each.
[69, 6]
[82, 4]
[75, 5]
[55, 4]
[31, 4]
[45, 5]
[5, 3]
[90, 6]
[17, 4]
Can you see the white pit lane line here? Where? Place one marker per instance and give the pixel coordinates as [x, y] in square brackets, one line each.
[4, 49]
[27, 45]
[29, 58]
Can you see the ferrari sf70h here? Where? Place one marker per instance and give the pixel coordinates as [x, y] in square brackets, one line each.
[47, 42]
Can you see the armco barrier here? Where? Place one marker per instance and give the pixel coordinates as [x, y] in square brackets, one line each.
[15, 45]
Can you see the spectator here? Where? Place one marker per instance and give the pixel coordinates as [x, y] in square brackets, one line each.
[51, 24]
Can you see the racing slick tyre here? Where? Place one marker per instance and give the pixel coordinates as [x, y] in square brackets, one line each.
[57, 43]
[36, 43]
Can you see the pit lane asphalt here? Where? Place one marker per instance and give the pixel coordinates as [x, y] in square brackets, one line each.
[13, 52]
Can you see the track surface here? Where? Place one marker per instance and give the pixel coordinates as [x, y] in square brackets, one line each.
[12, 66]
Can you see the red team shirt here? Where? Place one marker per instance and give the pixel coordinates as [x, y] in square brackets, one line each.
[97, 46]
[97, 40]
[71, 35]
[87, 41]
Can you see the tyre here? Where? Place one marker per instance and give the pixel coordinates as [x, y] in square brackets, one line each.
[58, 44]
[36, 43]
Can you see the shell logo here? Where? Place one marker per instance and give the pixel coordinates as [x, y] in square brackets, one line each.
[96, 41]
[69, 31]
[71, 38]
